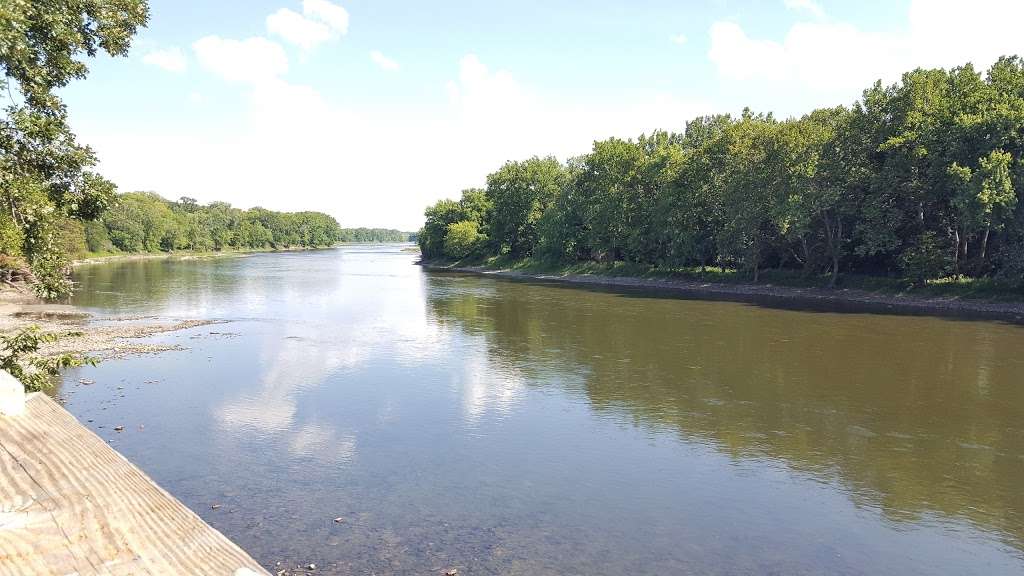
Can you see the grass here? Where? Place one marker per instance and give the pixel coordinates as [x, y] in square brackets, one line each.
[949, 287]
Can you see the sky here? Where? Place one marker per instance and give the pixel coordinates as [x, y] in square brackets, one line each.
[370, 110]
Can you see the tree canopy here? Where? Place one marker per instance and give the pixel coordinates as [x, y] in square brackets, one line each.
[375, 235]
[919, 179]
[145, 222]
[45, 174]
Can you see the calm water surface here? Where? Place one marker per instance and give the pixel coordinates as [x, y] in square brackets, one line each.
[512, 428]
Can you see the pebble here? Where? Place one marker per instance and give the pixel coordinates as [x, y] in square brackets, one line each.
[118, 428]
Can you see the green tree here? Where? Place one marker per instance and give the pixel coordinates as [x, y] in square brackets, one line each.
[519, 193]
[985, 198]
[461, 239]
[44, 173]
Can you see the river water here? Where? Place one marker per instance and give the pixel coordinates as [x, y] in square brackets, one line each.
[513, 428]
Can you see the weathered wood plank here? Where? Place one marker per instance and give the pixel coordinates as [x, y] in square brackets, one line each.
[70, 504]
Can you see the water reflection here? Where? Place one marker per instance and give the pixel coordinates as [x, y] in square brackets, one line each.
[509, 428]
[914, 416]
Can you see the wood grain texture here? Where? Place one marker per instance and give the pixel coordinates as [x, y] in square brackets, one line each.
[70, 504]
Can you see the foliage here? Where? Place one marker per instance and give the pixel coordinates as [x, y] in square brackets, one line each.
[518, 195]
[45, 175]
[474, 206]
[145, 222]
[375, 235]
[462, 239]
[918, 179]
[19, 356]
[925, 259]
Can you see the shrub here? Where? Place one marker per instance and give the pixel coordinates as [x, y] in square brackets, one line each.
[19, 356]
[461, 239]
[925, 259]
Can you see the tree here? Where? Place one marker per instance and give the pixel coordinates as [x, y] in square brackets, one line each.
[461, 239]
[910, 179]
[474, 206]
[985, 197]
[823, 184]
[519, 193]
[44, 172]
[752, 191]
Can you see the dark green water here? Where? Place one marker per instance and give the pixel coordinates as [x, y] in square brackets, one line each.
[511, 428]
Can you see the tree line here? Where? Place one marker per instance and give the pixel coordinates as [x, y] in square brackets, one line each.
[146, 222]
[376, 235]
[920, 179]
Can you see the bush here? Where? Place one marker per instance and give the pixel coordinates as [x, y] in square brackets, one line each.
[926, 258]
[19, 356]
[461, 239]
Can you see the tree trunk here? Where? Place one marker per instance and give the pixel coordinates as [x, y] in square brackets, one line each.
[956, 251]
[834, 235]
[984, 244]
[807, 255]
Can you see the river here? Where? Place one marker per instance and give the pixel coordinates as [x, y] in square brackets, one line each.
[503, 427]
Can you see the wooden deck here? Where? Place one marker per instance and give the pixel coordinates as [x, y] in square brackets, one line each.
[70, 504]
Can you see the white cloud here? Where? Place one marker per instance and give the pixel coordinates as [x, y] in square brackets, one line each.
[196, 97]
[170, 59]
[828, 63]
[292, 147]
[740, 57]
[297, 29]
[319, 22]
[252, 61]
[805, 5]
[679, 39]
[949, 32]
[331, 14]
[383, 61]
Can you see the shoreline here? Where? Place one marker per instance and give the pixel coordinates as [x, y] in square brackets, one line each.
[189, 255]
[182, 255]
[88, 335]
[779, 296]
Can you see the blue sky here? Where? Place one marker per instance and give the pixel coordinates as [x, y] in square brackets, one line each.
[372, 109]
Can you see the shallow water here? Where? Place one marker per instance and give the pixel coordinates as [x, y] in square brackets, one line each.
[512, 428]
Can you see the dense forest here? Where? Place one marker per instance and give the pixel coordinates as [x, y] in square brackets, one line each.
[376, 235]
[145, 222]
[917, 180]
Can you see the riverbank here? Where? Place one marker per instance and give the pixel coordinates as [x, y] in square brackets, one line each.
[109, 338]
[884, 297]
[105, 258]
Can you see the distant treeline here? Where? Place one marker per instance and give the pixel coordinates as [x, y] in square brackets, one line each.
[920, 179]
[376, 235]
[146, 222]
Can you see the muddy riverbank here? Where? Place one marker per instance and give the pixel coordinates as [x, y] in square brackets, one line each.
[775, 295]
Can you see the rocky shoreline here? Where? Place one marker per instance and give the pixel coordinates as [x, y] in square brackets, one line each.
[843, 300]
[107, 338]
